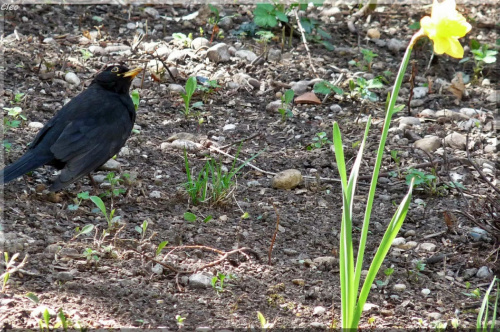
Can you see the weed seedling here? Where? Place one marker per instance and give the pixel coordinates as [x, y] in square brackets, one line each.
[319, 141]
[183, 39]
[91, 255]
[397, 160]
[78, 200]
[482, 56]
[217, 281]
[326, 88]
[111, 219]
[362, 88]
[142, 229]
[13, 118]
[18, 97]
[286, 101]
[190, 88]
[180, 320]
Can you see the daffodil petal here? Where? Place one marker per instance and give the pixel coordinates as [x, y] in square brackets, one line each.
[441, 45]
[455, 49]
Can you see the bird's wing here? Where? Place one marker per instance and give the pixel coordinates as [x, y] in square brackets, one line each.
[88, 142]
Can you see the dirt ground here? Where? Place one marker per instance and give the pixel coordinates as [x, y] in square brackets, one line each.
[112, 282]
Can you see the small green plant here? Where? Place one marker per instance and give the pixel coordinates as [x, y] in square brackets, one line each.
[180, 320]
[86, 54]
[264, 324]
[78, 200]
[10, 267]
[475, 294]
[7, 146]
[207, 89]
[397, 160]
[217, 281]
[212, 183]
[482, 317]
[325, 87]
[426, 181]
[388, 273]
[362, 88]
[215, 16]
[286, 101]
[18, 97]
[162, 245]
[191, 217]
[267, 15]
[183, 39]
[135, 98]
[85, 230]
[190, 88]
[142, 229]
[366, 64]
[111, 219]
[114, 181]
[320, 140]
[91, 255]
[13, 118]
[315, 33]
[482, 56]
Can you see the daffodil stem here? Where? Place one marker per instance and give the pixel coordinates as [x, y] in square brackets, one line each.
[388, 116]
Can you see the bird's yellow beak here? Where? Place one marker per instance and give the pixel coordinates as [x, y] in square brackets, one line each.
[133, 72]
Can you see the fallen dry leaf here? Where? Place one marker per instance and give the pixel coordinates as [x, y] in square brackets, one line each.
[308, 98]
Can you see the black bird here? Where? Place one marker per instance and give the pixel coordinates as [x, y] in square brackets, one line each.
[85, 133]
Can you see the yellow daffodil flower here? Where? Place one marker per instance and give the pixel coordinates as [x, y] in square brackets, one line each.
[444, 27]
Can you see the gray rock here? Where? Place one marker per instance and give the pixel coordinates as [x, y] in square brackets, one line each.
[226, 22]
[199, 42]
[452, 115]
[409, 120]
[179, 55]
[434, 315]
[494, 97]
[131, 26]
[229, 126]
[155, 194]
[470, 112]
[65, 276]
[336, 108]
[300, 87]
[287, 179]
[71, 78]
[455, 141]
[428, 246]
[428, 113]
[97, 50]
[274, 55]
[218, 53]
[245, 54]
[420, 92]
[428, 144]
[152, 12]
[469, 273]
[273, 106]
[399, 287]
[163, 51]
[36, 125]
[200, 280]
[319, 310]
[395, 45]
[484, 272]
[111, 165]
[177, 88]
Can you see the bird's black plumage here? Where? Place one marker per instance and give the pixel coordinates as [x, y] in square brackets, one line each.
[85, 133]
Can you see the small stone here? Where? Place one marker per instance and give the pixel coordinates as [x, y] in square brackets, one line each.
[287, 179]
[428, 144]
[399, 241]
[395, 45]
[456, 141]
[409, 245]
[299, 282]
[410, 121]
[131, 26]
[399, 287]
[336, 108]
[218, 53]
[274, 106]
[199, 42]
[36, 125]
[300, 87]
[245, 54]
[157, 269]
[469, 273]
[229, 126]
[200, 280]
[71, 78]
[177, 88]
[111, 165]
[152, 12]
[64, 276]
[410, 233]
[155, 194]
[420, 92]
[319, 310]
[434, 315]
[428, 113]
[274, 55]
[373, 33]
[484, 272]
[427, 246]
[426, 291]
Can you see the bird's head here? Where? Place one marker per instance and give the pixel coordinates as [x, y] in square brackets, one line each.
[116, 78]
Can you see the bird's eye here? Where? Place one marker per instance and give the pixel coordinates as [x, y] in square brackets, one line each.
[115, 70]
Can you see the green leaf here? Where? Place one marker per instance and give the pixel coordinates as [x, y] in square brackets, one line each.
[73, 207]
[87, 229]
[415, 25]
[138, 229]
[33, 297]
[135, 98]
[188, 216]
[99, 203]
[83, 195]
[474, 44]
[289, 96]
[262, 319]
[328, 45]
[281, 16]
[160, 247]
[207, 219]
[266, 21]
[198, 104]
[190, 86]
[306, 24]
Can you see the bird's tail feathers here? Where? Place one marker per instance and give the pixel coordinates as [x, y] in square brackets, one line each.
[23, 165]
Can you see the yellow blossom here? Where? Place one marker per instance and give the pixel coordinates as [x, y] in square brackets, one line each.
[444, 27]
